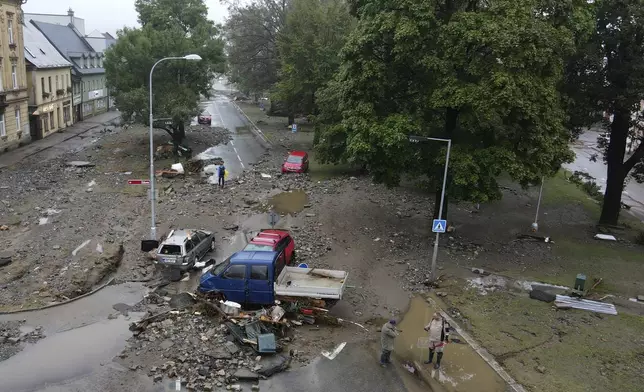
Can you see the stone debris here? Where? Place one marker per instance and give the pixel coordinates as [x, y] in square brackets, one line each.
[14, 335]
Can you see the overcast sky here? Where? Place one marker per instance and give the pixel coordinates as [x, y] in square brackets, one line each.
[106, 15]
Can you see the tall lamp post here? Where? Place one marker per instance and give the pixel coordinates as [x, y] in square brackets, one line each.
[418, 139]
[535, 225]
[153, 228]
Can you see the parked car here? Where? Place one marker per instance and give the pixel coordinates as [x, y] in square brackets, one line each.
[183, 248]
[204, 118]
[296, 162]
[274, 241]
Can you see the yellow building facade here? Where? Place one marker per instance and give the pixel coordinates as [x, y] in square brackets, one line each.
[49, 83]
[14, 124]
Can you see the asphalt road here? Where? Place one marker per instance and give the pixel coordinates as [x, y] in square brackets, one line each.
[585, 148]
[244, 149]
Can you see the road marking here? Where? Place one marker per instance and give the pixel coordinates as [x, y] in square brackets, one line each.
[221, 119]
[231, 143]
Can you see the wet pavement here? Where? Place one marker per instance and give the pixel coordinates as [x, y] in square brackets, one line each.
[244, 149]
[288, 202]
[585, 149]
[355, 369]
[462, 369]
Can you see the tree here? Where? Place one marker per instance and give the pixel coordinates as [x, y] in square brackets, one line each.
[483, 74]
[611, 77]
[309, 47]
[251, 35]
[169, 28]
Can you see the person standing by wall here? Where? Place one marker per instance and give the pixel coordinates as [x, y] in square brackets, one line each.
[387, 336]
[438, 330]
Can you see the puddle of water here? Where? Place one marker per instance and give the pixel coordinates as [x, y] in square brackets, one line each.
[462, 369]
[65, 355]
[289, 202]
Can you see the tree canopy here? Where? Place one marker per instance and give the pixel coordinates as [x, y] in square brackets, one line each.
[251, 32]
[169, 28]
[484, 74]
[309, 47]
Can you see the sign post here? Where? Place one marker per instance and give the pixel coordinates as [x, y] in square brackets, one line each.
[439, 225]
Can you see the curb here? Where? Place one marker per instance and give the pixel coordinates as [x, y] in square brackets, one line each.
[101, 287]
[480, 350]
[258, 132]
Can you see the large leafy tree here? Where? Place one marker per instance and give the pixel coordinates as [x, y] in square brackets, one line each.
[169, 28]
[485, 74]
[611, 80]
[251, 32]
[309, 47]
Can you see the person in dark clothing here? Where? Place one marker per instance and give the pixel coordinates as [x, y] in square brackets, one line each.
[222, 175]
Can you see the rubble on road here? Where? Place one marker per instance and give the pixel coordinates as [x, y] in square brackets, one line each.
[14, 335]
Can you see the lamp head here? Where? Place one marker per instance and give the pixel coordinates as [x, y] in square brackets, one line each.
[192, 57]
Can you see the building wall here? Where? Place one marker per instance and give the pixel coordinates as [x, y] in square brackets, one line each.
[64, 20]
[94, 93]
[53, 109]
[14, 125]
[99, 44]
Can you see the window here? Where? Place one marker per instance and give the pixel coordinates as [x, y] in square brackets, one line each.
[10, 29]
[189, 246]
[1, 84]
[3, 131]
[219, 268]
[18, 125]
[259, 272]
[235, 272]
[49, 84]
[171, 250]
[42, 85]
[57, 85]
[255, 247]
[66, 114]
[51, 120]
[14, 76]
[45, 123]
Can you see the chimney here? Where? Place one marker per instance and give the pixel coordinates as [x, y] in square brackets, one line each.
[70, 13]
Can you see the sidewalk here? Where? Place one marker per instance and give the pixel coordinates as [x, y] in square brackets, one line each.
[15, 156]
[463, 369]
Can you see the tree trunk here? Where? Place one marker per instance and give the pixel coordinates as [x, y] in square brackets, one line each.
[451, 120]
[291, 118]
[616, 173]
[437, 203]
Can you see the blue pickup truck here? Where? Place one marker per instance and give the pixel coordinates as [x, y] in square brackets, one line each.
[260, 277]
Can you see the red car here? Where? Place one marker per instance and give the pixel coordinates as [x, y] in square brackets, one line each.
[296, 162]
[274, 240]
[204, 118]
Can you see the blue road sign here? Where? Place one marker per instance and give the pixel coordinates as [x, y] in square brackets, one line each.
[439, 225]
[294, 128]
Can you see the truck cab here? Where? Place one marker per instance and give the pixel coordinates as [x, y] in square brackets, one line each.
[246, 277]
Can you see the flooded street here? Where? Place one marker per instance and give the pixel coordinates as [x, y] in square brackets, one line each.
[289, 202]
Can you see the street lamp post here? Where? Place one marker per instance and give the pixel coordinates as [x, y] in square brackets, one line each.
[535, 225]
[153, 226]
[418, 139]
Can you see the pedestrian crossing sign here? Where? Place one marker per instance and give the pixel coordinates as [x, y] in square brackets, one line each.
[439, 225]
